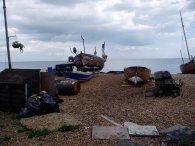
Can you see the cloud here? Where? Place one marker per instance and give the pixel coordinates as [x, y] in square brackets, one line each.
[65, 2]
[191, 5]
[140, 26]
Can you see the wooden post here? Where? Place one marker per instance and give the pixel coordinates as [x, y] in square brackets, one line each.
[47, 82]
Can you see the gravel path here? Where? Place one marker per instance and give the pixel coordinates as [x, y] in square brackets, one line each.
[104, 95]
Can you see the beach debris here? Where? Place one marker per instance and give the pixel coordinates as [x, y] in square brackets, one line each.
[127, 142]
[139, 130]
[109, 132]
[50, 121]
[16, 44]
[111, 121]
[165, 85]
[41, 103]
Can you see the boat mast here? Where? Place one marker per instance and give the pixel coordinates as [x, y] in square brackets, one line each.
[182, 56]
[185, 36]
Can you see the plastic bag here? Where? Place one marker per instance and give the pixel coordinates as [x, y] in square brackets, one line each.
[48, 103]
[41, 103]
[32, 107]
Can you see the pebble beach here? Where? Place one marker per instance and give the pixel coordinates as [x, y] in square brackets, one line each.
[108, 95]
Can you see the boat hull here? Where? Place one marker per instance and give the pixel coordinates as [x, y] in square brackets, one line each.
[137, 74]
[77, 75]
[188, 67]
[88, 62]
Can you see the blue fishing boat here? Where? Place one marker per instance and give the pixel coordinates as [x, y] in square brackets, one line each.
[78, 75]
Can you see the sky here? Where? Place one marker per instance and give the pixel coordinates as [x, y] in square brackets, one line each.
[131, 29]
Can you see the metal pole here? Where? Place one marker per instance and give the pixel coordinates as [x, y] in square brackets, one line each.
[83, 43]
[7, 37]
[185, 36]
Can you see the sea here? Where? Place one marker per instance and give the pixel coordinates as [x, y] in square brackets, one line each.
[170, 64]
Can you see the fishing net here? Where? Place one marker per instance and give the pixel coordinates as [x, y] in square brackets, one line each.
[16, 44]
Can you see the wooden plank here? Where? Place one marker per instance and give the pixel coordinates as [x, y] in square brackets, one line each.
[111, 121]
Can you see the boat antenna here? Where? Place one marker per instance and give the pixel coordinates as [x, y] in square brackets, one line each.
[103, 47]
[95, 52]
[185, 36]
[83, 43]
[7, 37]
[182, 56]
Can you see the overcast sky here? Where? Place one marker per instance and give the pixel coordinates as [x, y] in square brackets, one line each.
[134, 29]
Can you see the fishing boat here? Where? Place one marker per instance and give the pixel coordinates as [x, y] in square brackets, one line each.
[137, 74]
[188, 67]
[79, 75]
[89, 62]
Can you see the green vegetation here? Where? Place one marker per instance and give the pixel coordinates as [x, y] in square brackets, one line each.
[38, 132]
[21, 129]
[65, 128]
[32, 132]
[5, 138]
[41, 132]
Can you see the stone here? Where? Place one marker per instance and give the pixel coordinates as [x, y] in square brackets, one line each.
[178, 132]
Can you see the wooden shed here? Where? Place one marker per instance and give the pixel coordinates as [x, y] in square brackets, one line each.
[15, 86]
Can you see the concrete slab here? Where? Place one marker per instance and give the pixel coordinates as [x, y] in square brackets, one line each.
[139, 130]
[126, 142]
[109, 132]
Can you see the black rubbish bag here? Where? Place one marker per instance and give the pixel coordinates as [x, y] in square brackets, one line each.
[32, 107]
[48, 103]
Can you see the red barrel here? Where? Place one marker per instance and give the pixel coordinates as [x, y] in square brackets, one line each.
[68, 87]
